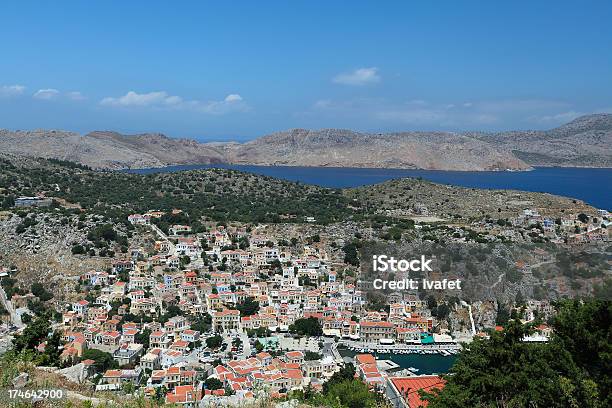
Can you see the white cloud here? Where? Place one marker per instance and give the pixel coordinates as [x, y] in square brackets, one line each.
[361, 76]
[519, 105]
[146, 99]
[46, 94]
[162, 100]
[11, 90]
[562, 117]
[233, 98]
[500, 114]
[322, 104]
[231, 103]
[75, 96]
[417, 112]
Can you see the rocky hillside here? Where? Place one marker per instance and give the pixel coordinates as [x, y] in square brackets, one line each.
[586, 141]
[108, 150]
[451, 202]
[344, 148]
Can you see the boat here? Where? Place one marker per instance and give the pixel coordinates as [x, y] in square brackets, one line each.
[414, 370]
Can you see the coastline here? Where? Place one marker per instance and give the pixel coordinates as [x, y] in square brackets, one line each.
[571, 182]
[229, 165]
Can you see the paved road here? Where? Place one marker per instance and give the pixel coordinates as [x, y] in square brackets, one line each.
[246, 346]
[15, 318]
[329, 349]
[164, 237]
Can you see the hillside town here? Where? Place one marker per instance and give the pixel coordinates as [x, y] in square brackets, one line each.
[233, 313]
[366, 204]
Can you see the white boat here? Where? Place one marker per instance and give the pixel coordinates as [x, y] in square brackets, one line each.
[414, 370]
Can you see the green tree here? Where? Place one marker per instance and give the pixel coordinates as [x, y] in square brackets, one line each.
[103, 361]
[584, 330]
[143, 338]
[248, 307]
[583, 218]
[311, 355]
[78, 249]
[34, 334]
[351, 254]
[307, 327]
[213, 384]
[52, 351]
[346, 372]
[214, 342]
[202, 323]
[39, 291]
[8, 202]
[350, 394]
[572, 370]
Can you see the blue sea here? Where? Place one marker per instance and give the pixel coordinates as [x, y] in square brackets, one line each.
[593, 186]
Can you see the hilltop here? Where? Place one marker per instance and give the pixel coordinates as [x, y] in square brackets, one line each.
[586, 141]
[108, 150]
[583, 142]
[452, 202]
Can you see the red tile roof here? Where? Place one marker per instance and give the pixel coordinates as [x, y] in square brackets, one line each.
[365, 359]
[409, 388]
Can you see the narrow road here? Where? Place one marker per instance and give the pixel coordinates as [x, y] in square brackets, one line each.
[246, 346]
[15, 318]
[164, 237]
[499, 279]
[464, 303]
[536, 265]
[472, 319]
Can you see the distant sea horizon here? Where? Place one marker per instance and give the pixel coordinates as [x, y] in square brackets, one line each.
[591, 185]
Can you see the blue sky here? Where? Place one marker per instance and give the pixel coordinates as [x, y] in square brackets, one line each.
[238, 70]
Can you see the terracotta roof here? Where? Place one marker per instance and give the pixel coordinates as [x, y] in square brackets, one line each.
[294, 374]
[408, 387]
[365, 359]
[112, 373]
[173, 370]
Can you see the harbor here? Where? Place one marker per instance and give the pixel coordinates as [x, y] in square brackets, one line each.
[444, 349]
[406, 364]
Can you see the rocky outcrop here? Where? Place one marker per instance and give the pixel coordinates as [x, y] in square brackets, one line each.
[584, 142]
